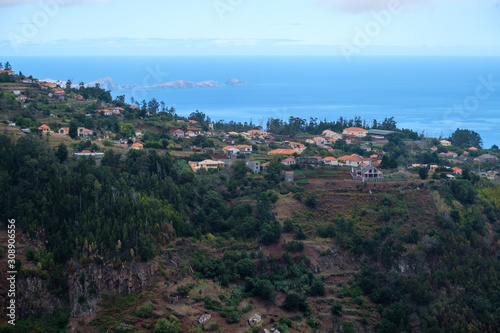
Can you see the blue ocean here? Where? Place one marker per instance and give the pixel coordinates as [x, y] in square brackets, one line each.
[432, 95]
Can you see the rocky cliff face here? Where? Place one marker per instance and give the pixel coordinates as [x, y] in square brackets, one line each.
[33, 297]
[88, 283]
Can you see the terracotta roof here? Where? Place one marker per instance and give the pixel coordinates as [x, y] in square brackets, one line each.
[44, 127]
[329, 158]
[85, 151]
[352, 158]
[355, 129]
[282, 151]
[137, 144]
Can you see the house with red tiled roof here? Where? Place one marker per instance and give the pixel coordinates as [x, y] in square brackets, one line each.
[457, 170]
[137, 145]
[193, 121]
[178, 133]
[105, 112]
[82, 131]
[329, 160]
[332, 140]
[448, 155]
[21, 98]
[58, 92]
[88, 153]
[44, 128]
[7, 71]
[353, 160]
[319, 141]
[331, 134]
[297, 146]
[289, 161]
[282, 152]
[257, 132]
[63, 130]
[245, 148]
[355, 131]
[472, 148]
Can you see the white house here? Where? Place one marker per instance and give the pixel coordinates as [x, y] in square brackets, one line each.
[356, 131]
[329, 160]
[331, 134]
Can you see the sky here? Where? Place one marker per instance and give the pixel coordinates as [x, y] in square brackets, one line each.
[249, 27]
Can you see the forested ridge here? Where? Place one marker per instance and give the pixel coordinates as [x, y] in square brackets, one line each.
[125, 209]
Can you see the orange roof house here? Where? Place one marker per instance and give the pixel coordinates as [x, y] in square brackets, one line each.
[137, 145]
[330, 160]
[257, 132]
[6, 71]
[353, 160]
[356, 131]
[44, 128]
[281, 151]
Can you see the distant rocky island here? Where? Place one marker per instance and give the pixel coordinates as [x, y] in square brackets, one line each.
[107, 83]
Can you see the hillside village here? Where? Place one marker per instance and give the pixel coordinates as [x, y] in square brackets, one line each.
[46, 108]
[135, 217]
[51, 110]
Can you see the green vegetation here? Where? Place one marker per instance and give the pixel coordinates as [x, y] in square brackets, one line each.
[145, 310]
[425, 251]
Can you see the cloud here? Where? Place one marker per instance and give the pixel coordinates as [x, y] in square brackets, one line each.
[367, 5]
[60, 2]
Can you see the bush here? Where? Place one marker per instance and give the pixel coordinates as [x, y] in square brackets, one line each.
[107, 143]
[246, 267]
[231, 313]
[30, 254]
[295, 246]
[300, 235]
[311, 200]
[337, 309]
[145, 310]
[288, 226]
[318, 288]
[184, 290]
[171, 325]
[296, 189]
[211, 304]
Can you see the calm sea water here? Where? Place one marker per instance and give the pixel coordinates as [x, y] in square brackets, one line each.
[434, 95]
